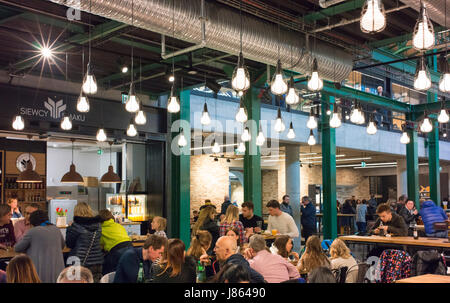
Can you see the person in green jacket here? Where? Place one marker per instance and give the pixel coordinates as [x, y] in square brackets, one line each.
[114, 241]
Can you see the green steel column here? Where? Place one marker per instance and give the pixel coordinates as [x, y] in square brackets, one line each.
[433, 157]
[328, 171]
[252, 158]
[180, 178]
[412, 165]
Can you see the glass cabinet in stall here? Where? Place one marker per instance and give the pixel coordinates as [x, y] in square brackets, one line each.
[131, 206]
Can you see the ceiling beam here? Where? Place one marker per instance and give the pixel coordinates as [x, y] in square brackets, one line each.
[334, 10]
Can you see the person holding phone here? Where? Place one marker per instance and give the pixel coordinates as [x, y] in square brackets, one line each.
[389, 222]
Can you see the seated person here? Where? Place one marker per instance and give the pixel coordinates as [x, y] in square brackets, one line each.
[249, 219]
[431, 214]
[159, 225]
[313, 257]
[409, 212]
[389, 222]
[341, 257]
[7, 237]
[22, 225]
[75, 274]
[321, 275]
[283, 246]
[281, 221]
[232, 273]
[274, 268]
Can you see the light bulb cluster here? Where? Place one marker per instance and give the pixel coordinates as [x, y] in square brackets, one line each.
[315, 84]
[335, 120]
[312, 122]
[357, 115]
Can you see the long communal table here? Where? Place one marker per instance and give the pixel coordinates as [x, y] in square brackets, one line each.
[426, 279]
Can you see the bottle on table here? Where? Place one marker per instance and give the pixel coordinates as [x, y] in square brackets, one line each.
[200, 270]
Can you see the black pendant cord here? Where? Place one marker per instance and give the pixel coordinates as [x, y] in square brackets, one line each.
[132, 43]
[110, 152]
[90, 26]
[173, 37]
[72, 149]
[240, 16]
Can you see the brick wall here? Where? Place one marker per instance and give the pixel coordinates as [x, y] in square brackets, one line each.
[270, 187]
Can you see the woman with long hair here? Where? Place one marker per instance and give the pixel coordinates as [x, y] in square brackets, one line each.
[175, 267]
[313, 256]
[283, 247]
[206, 221]
[231, 220]
[341, 257]
[200, 243]
[234, 232]
[21, 270]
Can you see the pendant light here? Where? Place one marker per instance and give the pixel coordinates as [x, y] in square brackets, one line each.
[29, 175]
[355, 115]
[241, 147]
[260, 139]
[18, 123]
[216, 147]
[278, 86]
[110, 176]
[279, 124]
[245, 137]
[443, 115]
[72, 176]
[66, 123]
[444, 82]
[89, 81]
[404, 139]
[335, 120]
[311, 139]
[101, 135]
[292, 96]
[173, 106]
[205, 119]
[422, 79]
[83, 103]
[423, 34]
[362, 118]
[315, 84]
[241, 115]
[371, 127]
[182, 139]
[140, 118]
[426, 125]
[240, 81]
[291, 133]
[373, 18]
[312, 122]
[132, 104]
[131, 130]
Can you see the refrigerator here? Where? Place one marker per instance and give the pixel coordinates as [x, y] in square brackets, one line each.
[64, 204]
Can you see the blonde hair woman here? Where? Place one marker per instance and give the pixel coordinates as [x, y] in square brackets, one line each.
[200, 243]
[83, 238]
[313, 257]
[341, 257]
[230, 221]
[206, 221]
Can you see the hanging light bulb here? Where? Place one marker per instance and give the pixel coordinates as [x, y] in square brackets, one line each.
[404, 139]
[83, 103]
[355, 115]
[245, 137]
[311, 139]
[18, 123]
[279, 124]
[335, 120]
[362, 118]
[241, 147]
[444, 82]
[241, 115]
[101, 135]
[89, 82]
[181, 139]
[371, 128]
[292, 96]
[373, 18]
[423, 34]
[443, 116]
[131, 130]
[315, 84]
[132, 104]
[140, 117]
[260, 139]
[173, 106]
[66, 124]
[216, 147]
[312, 123]
[278, 86]
[426, 126]
[171, 78]
[291, 133]
[205, 119]
[422, 80]
[240, 81]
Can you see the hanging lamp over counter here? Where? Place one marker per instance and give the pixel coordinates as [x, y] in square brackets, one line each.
[110, 176]
[72, 176]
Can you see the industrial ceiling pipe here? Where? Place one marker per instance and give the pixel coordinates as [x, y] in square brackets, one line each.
[261, 42]
[328, 3]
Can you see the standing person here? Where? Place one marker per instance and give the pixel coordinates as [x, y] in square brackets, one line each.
[226, 203]
[207, 203]
[284, 206]
[44, 244]
[83, 238]
[159, 225]
[361, 211]
[14, 204]
[21, 270]
[206, 221]
[341, 257]
[308, 218]
[389, 222]
[249, 219]
[135, 264]
[353, 202]
[22, 225]
[372, 207]
[114, 241]
[313, 256]
[400, 203]
[176, 267]
[347, 209]
[431, 213]
[231, 220]
[281, 221]
[7, 237]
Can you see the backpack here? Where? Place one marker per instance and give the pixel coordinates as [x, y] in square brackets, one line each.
[428, 262]
[394, 265]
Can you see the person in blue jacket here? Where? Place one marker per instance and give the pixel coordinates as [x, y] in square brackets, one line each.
[308, 219]
[431, 214]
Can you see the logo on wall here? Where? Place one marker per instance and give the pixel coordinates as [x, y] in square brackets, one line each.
[22, 161]
[55, 108]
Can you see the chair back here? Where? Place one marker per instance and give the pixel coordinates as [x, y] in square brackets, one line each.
[394, 265]
[362, 271]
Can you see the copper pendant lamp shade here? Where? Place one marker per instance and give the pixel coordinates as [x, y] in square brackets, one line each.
[29, 175]
[72, 176]
[110, 176]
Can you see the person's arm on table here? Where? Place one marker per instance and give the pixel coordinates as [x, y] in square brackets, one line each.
[399, 228]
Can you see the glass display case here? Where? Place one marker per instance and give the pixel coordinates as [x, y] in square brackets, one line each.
[137, 207]
[116, 204]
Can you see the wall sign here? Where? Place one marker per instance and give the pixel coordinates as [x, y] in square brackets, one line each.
[22, 161]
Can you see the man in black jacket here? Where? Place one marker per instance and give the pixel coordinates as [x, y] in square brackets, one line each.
[408, 212]
[225, 250]
[389, 222]
[308, 218]
[135, 264]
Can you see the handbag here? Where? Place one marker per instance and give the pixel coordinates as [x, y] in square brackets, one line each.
[90, 247]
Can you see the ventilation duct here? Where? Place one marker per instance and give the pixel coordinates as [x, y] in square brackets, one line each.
[435, 9]
[260, 38]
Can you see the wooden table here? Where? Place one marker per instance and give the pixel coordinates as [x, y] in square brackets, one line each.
[426, 279]
[407, 241]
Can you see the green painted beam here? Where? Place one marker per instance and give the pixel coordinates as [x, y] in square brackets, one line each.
[433, 164]
[70, 26]
[402, 38]
[420, 109]
[334, 10]
[136, 44]
[252, 157]
[328, 171]
[12, 17]
[412, 165]
[180, 174]
[260, 77]
[402, 49]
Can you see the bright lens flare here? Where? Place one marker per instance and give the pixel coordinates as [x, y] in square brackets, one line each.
[46, 52]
